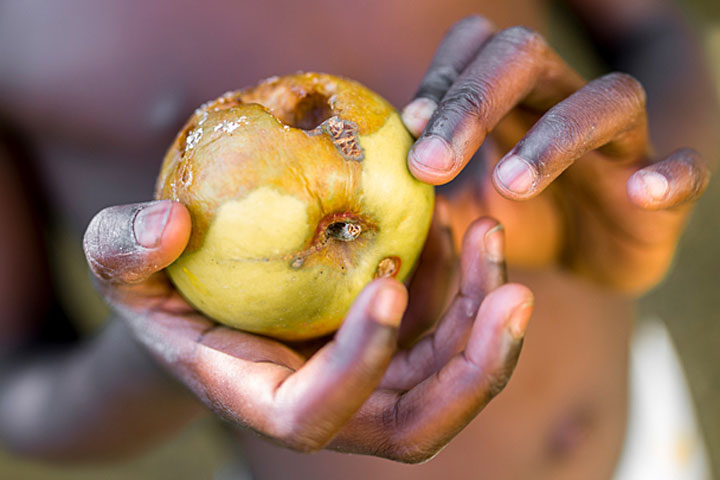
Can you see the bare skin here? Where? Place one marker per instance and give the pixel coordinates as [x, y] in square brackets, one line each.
[595, 231]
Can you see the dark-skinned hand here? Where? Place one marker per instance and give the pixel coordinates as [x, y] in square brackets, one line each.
[614, 215]
[355, 392]
[566, 164]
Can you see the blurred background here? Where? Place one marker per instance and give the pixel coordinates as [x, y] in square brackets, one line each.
[688, 302]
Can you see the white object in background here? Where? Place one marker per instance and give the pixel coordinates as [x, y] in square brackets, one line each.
[663, 440]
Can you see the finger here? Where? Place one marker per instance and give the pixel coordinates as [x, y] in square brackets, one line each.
[429, 290]
[413, 426]
[680, 178]
[456, 50]
[319, 398]
[513, 65]
[608, 112]
[128, 243]
[483, 270]
[304, 409]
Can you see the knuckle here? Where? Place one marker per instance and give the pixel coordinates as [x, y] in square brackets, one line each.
[628, 85]
[471, 97]
[567, 131]
[396, 445]
[523, 37]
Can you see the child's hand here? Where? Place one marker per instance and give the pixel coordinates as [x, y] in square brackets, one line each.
[615, 214]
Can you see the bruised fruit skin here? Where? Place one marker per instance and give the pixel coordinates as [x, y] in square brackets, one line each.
[299, 195]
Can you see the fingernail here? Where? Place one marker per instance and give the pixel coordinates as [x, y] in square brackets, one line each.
[417, 114]
[494, 243]
[655, 184]
[516, 174]
[433, 153]
[517, 324]
[388, 305]
[150, 222]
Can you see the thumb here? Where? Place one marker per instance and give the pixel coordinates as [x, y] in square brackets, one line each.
[128, 243]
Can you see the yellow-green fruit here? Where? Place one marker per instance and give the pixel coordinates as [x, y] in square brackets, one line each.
[299, 195]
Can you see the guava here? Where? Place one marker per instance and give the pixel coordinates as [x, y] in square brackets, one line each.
[299, 195]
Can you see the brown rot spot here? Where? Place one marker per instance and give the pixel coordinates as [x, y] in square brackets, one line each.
[185, 174]
[344, 134]
[388, 267]
[338, 238]
[344, 231]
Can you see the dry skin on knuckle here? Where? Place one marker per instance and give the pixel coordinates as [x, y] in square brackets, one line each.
[629, 86]
[469, 99]
[561, 138]
[626, 95]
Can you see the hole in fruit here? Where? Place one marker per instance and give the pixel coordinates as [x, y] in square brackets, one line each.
[310, 111]
[388, 267]
[344, 231]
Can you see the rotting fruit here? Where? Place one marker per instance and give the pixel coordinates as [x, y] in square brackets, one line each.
[299, 196]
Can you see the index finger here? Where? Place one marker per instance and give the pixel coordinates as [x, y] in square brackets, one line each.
[515, 65]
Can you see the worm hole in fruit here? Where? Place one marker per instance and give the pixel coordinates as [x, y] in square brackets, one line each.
[388, 267]
[306, 111]
[344, 231]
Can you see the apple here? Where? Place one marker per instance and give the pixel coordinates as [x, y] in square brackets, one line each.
[299, 195]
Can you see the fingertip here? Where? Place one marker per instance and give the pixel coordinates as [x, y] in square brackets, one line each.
[520, 315]
[389, 301]
[128, 243]
[513, 303]
[488, 236]
[417, 114]
[515, 177]
[500, 325]
[432, 160]
[482, 259]
[163, 229]
[512, 294]
[648, 189]
[679, 178]
[177, 231]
